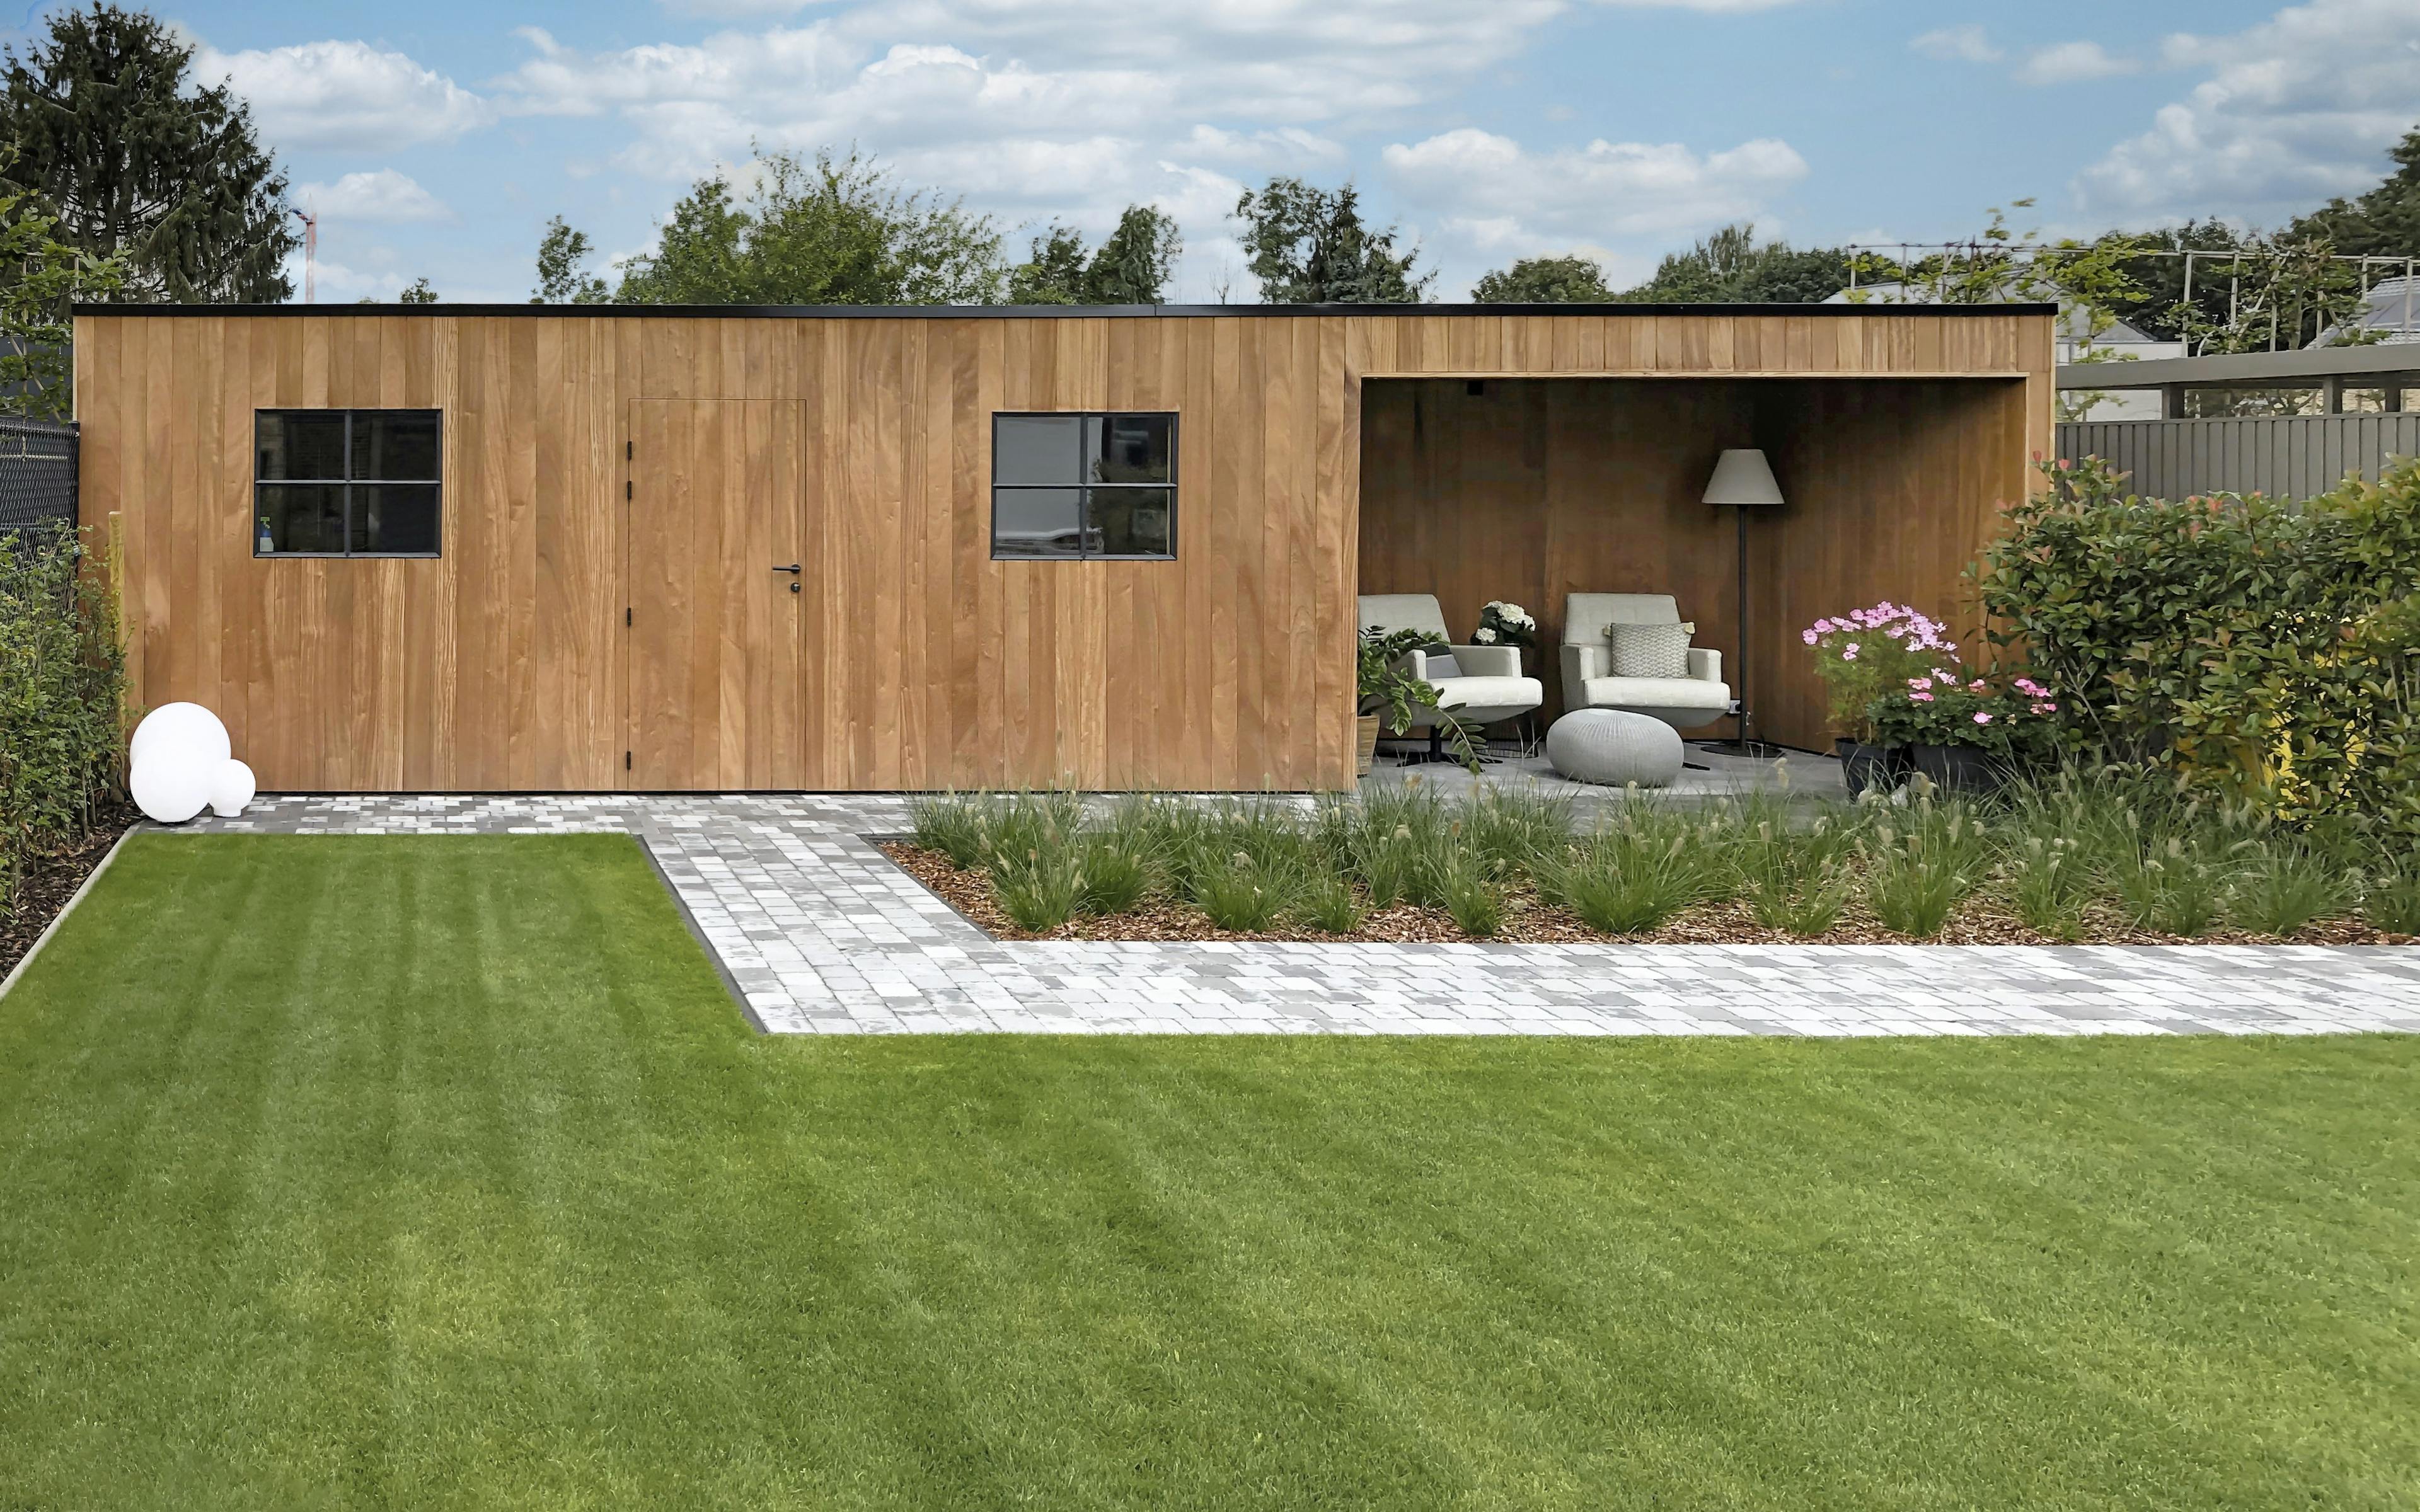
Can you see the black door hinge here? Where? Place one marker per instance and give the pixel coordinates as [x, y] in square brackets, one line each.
[625, 488]
[626, 618]
[626, 761]
[630, 450]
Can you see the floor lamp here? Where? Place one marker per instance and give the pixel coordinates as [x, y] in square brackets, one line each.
[1744, 481]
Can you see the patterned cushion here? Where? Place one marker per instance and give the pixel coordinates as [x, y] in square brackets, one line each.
[1650, 650]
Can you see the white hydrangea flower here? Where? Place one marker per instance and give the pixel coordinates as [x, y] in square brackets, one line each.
[1484, 636]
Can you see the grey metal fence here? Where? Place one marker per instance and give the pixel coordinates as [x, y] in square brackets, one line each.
[2290, 456]
[38, 475]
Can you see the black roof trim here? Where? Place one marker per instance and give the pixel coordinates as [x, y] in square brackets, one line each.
[1049, 312]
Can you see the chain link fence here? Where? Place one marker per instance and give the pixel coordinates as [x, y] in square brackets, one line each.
[38, 476]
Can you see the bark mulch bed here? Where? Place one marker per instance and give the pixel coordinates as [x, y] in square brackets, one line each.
[51, 880]
[1529, 921]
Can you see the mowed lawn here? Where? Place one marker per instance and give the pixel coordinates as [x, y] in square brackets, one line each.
[419, 1172]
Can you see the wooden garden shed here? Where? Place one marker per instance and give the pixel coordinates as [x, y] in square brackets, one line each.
[470, 548]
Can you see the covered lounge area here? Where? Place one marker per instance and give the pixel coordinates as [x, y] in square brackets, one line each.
[1534, 489]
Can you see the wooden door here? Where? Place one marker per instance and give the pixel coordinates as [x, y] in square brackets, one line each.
[714, 511]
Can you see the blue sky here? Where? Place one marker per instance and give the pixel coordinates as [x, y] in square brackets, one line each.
[437, 137]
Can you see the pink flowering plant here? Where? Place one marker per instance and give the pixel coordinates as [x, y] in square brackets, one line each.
[1958, 707]
[1869, 652]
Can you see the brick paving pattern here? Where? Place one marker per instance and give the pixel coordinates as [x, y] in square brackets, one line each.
[820, 933]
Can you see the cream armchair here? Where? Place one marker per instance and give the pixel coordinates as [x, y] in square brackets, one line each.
[1684, 702]
[1477, 685]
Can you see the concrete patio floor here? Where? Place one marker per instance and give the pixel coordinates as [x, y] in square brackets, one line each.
[1710, 774]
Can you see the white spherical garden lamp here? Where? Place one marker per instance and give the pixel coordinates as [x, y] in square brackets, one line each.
[171, 785]
[186, 727]
[232, 789]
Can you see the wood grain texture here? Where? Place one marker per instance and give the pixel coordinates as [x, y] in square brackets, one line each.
[1536, 489]
[917, 660]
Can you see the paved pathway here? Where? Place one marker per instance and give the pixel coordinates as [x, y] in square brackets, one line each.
[820, 933]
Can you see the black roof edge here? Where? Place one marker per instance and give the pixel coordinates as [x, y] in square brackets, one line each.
[1048, 312]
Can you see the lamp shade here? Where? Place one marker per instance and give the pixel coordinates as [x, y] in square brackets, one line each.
[1744, 477]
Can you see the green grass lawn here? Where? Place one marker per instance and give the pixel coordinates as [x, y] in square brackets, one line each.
[429, 1172]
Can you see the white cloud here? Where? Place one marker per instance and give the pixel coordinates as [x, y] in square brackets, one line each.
[384, 197]
[2298, 108]
[1968, 43]
[1497, 198]
[332, 94]
[2072, 63]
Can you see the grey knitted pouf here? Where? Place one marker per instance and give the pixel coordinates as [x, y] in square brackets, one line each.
[1613, 748]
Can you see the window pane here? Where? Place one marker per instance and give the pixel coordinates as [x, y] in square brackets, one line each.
[1134, 522]
[1036, 448]
[297, 517]
[1128, 448]
[396, 443]
[301, 443]
[391, 517]
[1037, 522]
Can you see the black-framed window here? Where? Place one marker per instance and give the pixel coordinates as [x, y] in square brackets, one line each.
[345, 483]
[1083, 487]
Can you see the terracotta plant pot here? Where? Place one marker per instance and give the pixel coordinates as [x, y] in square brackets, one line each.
[1968, 769]
[1864, 766]
[1365, 744]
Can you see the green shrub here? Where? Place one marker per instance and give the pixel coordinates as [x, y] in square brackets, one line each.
[2269, 655]
[2174, 889]
[953, 824]
[2285, 890]
[1796, 878]
[1920, 864]
[1628, 883]
[1511, 831]
[2390, 897]
[1328, 902]
[1461, 886]
[2048, 885]
[1040, 889]
[1241, 894]
[62, 698]
[1114, 876]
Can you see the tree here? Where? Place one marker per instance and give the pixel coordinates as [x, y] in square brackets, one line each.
[563, 276]
[1131, 267]
[417, 292]
[2385, 222]
[46, 276]
[834, 231]
[1309, 246]
[1054, 275]
[1134, 265]
[1730, 266]
[1544, 281]
[132, 155]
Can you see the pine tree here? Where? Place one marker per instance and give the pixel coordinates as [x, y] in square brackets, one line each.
[1310, 247]
[107, 129]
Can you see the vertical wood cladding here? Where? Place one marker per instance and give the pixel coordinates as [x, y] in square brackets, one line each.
[917, 660]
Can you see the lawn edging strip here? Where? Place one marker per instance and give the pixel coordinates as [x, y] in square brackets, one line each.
[61, 917]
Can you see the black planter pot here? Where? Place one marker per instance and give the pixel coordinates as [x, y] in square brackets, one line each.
[1864, 766]
[1967, 769]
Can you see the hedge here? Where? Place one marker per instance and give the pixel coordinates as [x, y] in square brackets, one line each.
[62, 698]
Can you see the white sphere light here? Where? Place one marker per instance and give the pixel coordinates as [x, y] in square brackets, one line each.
[170, 786]
[186, 726]
[232, 789]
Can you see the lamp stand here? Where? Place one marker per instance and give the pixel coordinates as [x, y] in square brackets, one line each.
[1745, 744]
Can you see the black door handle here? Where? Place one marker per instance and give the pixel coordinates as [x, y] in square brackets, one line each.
[791, 568]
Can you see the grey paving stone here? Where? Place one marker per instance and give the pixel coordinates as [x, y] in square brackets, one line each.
[824, 935]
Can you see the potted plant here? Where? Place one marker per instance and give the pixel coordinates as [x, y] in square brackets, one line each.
[1505, 625]
[1964, 735]
[1388, 694]
[1861, 656]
